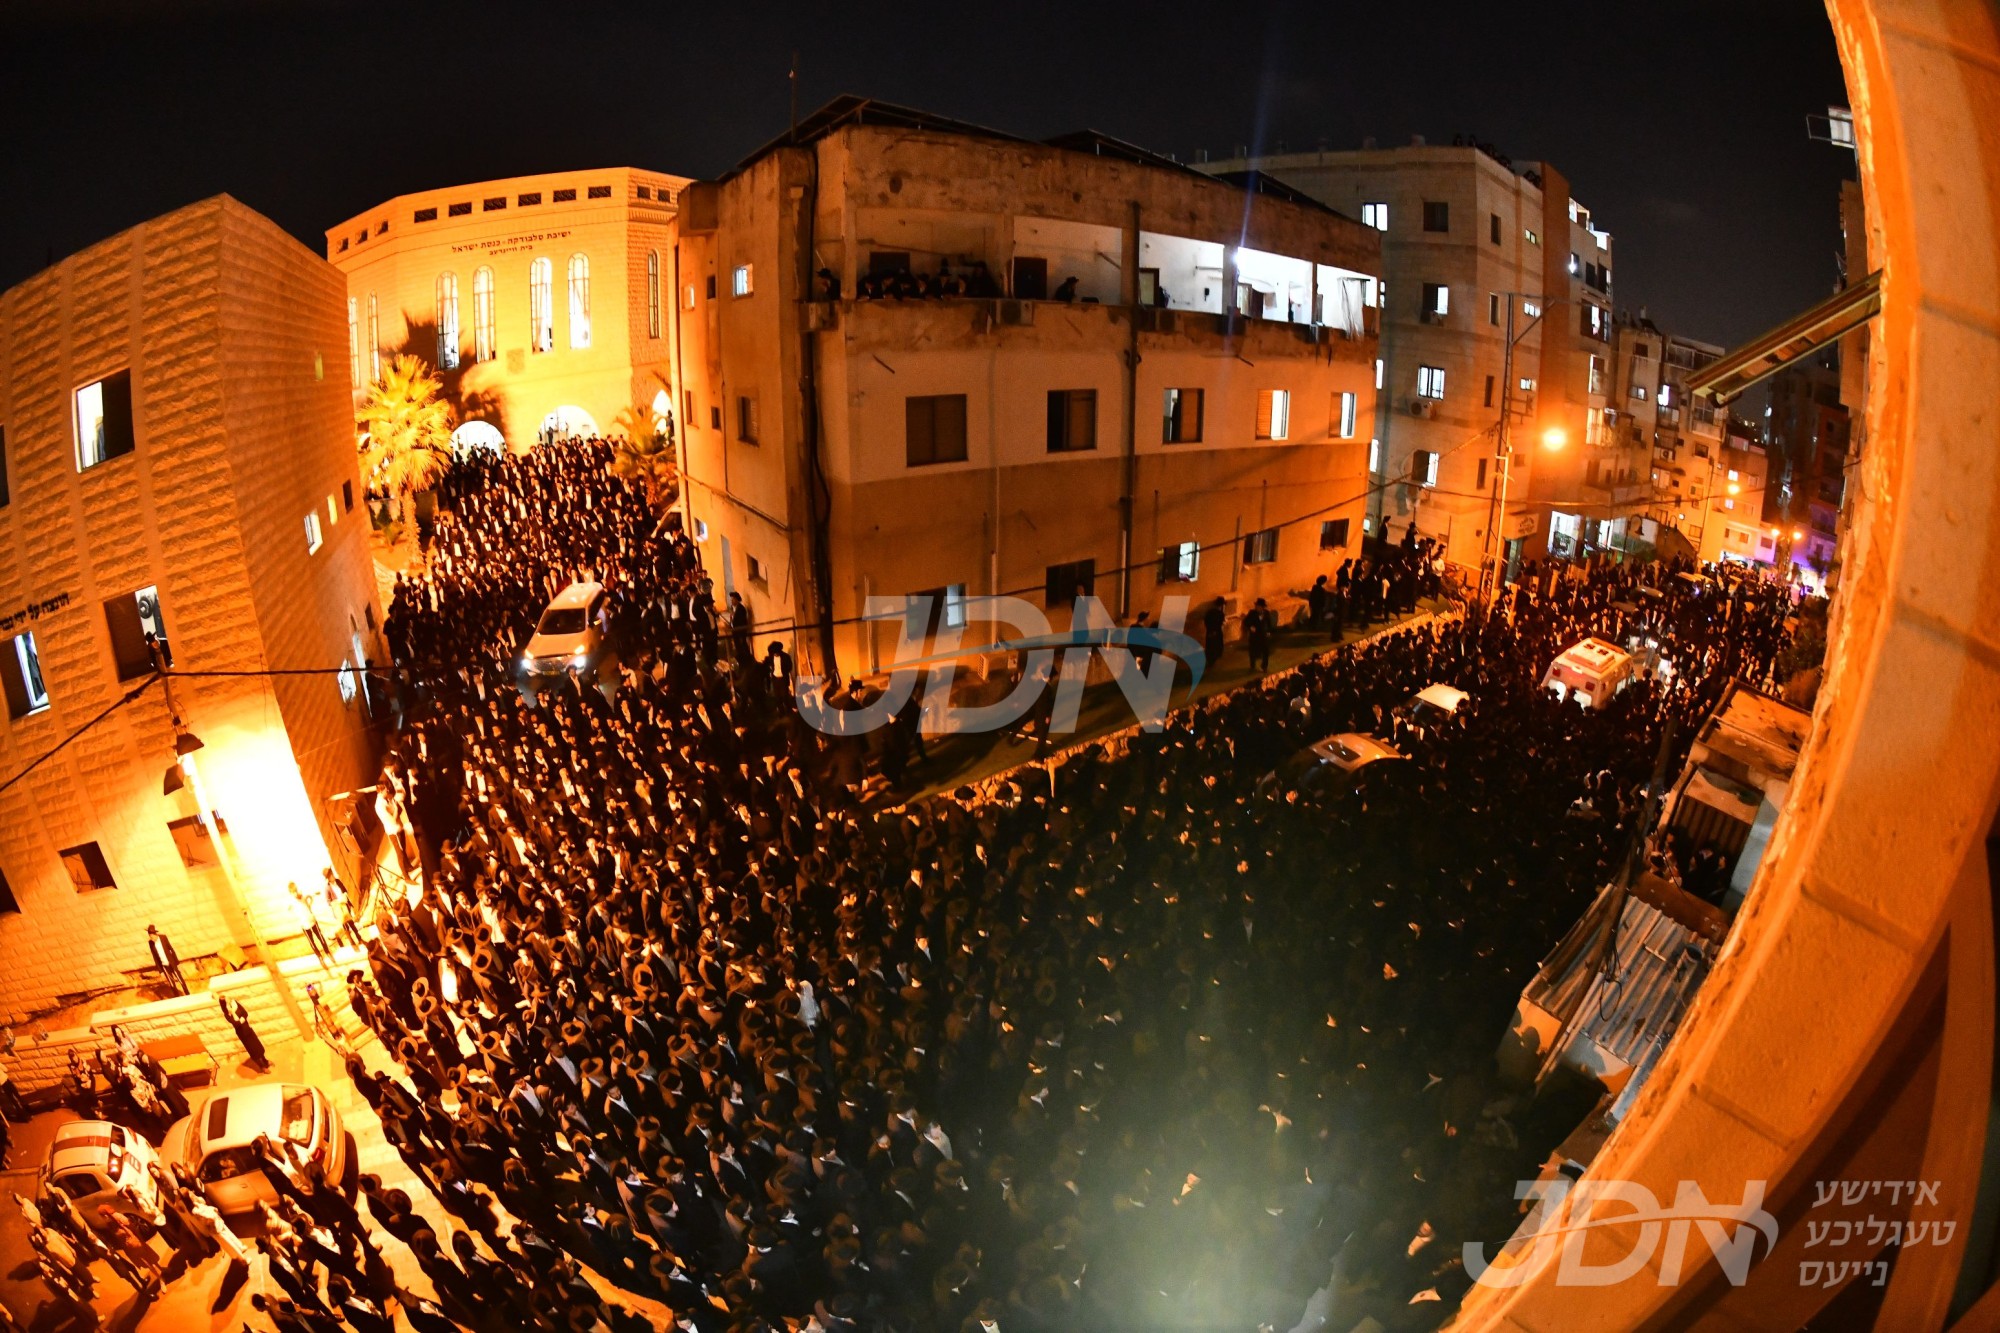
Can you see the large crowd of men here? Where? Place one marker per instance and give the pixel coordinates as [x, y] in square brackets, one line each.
[1127, 1044]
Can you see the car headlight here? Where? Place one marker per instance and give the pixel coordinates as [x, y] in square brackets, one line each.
[581, 655]
[527, 659]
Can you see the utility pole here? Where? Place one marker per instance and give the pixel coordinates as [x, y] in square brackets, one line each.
[1496, 510]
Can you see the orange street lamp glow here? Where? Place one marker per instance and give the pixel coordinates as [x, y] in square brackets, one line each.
[1796, 534]
[1554, 438]
[1735, 489]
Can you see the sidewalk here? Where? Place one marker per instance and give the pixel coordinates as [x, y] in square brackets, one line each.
[971, 757]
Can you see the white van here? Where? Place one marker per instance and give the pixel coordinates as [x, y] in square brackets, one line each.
[91, 1160]
[570, 635]
[1592, 673]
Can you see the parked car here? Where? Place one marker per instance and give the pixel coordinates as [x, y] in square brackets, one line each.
[91, 1160]
[1345, 758]
[216, 1140]
[572, 634]
[1435, 703]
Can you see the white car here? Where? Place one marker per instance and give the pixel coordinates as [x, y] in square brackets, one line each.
[1443, 700]
[1348, 755]
[216, 1141]
[91, 1160]
[1352, 751]
[570, 636]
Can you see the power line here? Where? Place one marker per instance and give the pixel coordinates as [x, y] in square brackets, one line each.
[62, 744]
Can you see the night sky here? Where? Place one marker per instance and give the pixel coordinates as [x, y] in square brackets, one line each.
[1682, 127]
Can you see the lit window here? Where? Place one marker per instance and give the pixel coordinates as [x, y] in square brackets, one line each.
[1180, 563]
[687, 298]
[104, 420]
[1527, 385]
[21, 674]
[313, 535]
[1261, 548]
[1666, 395]
[482, 314]
[739, 280]
[354, 341]
[653, 293]
[332, 511]
[1533, 239]
[1375, 457]
[1437, 300]
[1349, 409]
[1531, 309]
[1597, 374]
[374, 339]
[541, 305]
[1424, 467]
[1573, 264]
[1430, 382]
[1274, 414]
[1639, 392]
[1732, 474]
[1376, 216]
[579, 301]
[447, 321]
[1378, 372]
[701, 529]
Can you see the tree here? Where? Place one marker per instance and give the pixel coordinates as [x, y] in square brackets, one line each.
[406, 448]
[642, 445]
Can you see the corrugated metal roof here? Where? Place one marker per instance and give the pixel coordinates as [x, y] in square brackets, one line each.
[1661, 964]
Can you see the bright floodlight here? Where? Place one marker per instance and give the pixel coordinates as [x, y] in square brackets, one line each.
[1555, 437]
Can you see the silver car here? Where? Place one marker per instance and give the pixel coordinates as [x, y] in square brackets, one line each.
[216, 1141]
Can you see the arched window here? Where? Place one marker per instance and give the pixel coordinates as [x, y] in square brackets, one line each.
[482, 314]
[447, 321]
[541, 305]
[579, 300]
[653, 293]
[374, 339]
[354, 341]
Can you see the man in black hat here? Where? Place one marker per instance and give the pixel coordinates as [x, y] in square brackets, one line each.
[164, 958]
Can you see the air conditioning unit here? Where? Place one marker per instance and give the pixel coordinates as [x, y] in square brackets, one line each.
[1422, 407]
[1017, 312]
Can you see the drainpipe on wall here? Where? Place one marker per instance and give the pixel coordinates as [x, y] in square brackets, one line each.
[682, 410]
[1129, 471]
[819, 499]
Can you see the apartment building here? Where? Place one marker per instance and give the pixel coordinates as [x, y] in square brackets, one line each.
[1496, 300]
[923, 357]
[543, 302]
[177, 448]
[1806, 439]
[1686, 436]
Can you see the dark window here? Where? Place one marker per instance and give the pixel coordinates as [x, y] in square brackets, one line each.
[1332, 534]
[1072, 420]
[644, 191]
[494, 204]
[1436, 300]
[711, 286]
[425, 215]
[1493, 307]
[1437, 216]
[1183, 416]
[933, 609]
[7, 900]
[87, 870]
[563, 196]
[191, 840]
[1480, 484]
[3, 468]
[888, 263]
[746, 419]
[600, 192]
[1067, 582]
[934, 429]
[1495, 219]
[347, 496]
[715, 417]
[1031, 279]
[528, 200]
[1261, 548]
[104, 420]
[131, 619]
[1489, 391]
[21, 675]
[458, 210]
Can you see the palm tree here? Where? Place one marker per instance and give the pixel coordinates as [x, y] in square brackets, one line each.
[406, 441]
[643, 451]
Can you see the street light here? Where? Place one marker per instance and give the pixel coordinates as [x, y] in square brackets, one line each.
[1552, 439]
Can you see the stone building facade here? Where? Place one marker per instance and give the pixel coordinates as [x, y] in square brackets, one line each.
[1477, 251]
[179, 459]
[542, 301]
[1138, 381]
